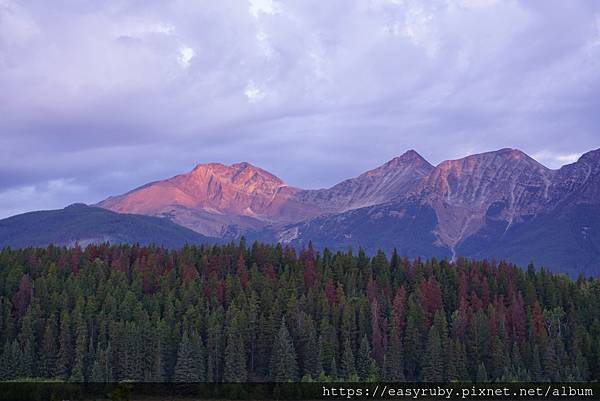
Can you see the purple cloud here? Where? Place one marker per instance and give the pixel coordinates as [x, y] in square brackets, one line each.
[99, 97]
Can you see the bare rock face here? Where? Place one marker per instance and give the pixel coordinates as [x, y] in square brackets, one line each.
[397, 177]
[210, 198]
[462, 191]
[578, 182]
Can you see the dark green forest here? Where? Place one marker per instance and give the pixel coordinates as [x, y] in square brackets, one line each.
[262, 312]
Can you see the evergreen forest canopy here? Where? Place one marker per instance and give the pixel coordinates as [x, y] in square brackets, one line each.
[267, 313]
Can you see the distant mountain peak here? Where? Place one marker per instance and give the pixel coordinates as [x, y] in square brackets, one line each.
[495, 159]
[409, 159]
[410, 154]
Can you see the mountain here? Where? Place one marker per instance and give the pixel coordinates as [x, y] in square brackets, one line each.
[227, 201]
[83, 224]
[400, 175]
[462, 192]
[501, 204]
[215, 199]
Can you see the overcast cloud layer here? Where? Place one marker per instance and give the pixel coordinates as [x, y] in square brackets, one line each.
[98, 97]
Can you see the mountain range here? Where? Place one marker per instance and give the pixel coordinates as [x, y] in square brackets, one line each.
[501, 204]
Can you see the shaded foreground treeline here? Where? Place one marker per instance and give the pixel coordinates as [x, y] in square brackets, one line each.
[265, 313]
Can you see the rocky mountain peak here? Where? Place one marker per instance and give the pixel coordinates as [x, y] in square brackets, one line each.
[409, 159]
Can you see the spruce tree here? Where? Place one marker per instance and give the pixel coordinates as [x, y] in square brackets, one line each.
[333, 371]
[347, 368]
[8, 364]
[364, 359]
[81, 347]
[498, 360]
[482, 376]
[413, 342]
[283, 366]
[312, 358]
[235, 359]
[536, 365]
[185, 370]
[199, 355]
[394, 363]
[65, 349]
[49, 347]
[433, 369]
[28, 341]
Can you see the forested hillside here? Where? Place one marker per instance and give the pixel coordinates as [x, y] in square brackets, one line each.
[265, 313]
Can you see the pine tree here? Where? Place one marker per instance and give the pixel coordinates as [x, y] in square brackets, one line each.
[27, 339]
[98, 372]
[283, 366]
[81, 347]
[394, 363]
[65, 350]
[433, 369]
[333, 371]
[364, 359]
[549, 361]
[413, 343]
[235, 359]
[536, 366]
[311, 357]
[214, 345]
[161, 352]
[498, 360]
[347, 368]
[185, 370]
[482, 376]
[48, 349]
[9, 362]
[199, 355]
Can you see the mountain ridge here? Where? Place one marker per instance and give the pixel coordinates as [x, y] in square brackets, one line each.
[82, 224]
[486, 204]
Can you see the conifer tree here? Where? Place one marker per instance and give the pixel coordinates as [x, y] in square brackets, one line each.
[347, 368]
[394, 363]
[312, 357]
[185, 369]
[81, 347]
[198, 355]
[482, 376]
[283, 366]
[235, 359]
[364, 359]
[8, 362]
[536, 366]
[333, 371]
[413, 340]
[65, 350]
[433, 369]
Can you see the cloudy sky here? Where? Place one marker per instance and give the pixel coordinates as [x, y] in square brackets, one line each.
[98, 97]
